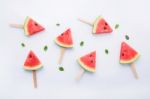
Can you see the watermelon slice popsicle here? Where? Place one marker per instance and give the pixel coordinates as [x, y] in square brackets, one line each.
[32, 63]
[88, 63]
[30, 26]
[128, 55]
[64, 40]
[100, 26]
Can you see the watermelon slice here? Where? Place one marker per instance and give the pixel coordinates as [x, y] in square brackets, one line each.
[88, 62]
[32, 62]
[127, 54]
[65, 39]
[101, 26]
[32, 27]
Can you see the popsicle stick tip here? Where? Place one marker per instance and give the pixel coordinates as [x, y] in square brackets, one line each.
[34, 79]
[61, 55]
[133, 68]
[16, 26]
[80, 74]
[86, 22]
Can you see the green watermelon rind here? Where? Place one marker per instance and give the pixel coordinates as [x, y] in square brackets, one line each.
[62, 44]
[85, 67]
[95, 24]
[26, 27]
[37, 67]
[130, 61]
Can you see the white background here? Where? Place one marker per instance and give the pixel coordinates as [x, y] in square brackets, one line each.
[111, 80]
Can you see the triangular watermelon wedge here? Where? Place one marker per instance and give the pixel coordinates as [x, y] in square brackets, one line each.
[32, 62]
[65, 39]
[32, 27]
[101, 26]
[88, 61]
[127, 54]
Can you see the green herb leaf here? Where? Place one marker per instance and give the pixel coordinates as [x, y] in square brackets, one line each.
[61, 69]
[81, 43]
[45, 48]
[23, 45]
[106, 51]
[57, 24]
[116, 26]
[127, 37]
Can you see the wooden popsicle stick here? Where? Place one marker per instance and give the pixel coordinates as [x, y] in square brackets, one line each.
[80, 74]
[17, 25]
[133, 68]
[61, 55]
[34, 79]
[84, 21]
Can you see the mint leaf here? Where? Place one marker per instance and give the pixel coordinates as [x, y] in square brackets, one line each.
[45, 48]
[23, 45]
[106, 51]
[82, 43]
[127, 37]
[61, 69]
[116, 26]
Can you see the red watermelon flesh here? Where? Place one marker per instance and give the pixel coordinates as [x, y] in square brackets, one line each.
[32, 62]
[127, 54]
[88, 61]
[101, 26]
[65, 39]
[32, 27]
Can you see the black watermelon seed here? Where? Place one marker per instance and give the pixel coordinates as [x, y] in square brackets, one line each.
[105, 28]
[36, 24]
